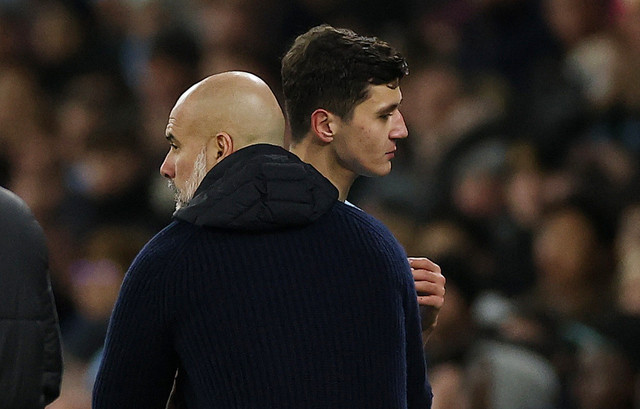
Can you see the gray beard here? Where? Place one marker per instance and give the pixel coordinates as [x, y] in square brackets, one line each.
[183, 197]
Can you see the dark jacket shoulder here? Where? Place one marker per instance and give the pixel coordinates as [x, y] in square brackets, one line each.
[260, 187]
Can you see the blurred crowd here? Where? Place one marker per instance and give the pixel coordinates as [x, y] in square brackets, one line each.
[520, 176]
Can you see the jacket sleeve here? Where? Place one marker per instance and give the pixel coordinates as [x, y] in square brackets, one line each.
[139, 363]
[30, 351]
[52, 362]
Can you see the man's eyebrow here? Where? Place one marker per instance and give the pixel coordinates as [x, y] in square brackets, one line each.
[388, 108]
[171, 138]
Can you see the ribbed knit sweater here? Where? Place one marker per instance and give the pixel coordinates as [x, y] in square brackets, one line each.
[299, 301]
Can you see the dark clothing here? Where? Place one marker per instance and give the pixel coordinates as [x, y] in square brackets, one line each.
[30, 352]
[261, 188]
[266, 292]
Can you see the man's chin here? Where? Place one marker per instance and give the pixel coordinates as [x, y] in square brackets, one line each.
[180, 200]
[372, 173]
[179, 197]
[181, 203]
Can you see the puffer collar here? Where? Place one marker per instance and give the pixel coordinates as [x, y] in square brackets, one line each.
[260, 187]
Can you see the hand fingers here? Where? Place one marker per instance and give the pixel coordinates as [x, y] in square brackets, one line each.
[425, 275]
[431, 301]
[428, 288]
[425, 263]
[429, 283]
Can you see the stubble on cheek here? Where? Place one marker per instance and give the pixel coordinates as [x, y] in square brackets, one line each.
[184, 196]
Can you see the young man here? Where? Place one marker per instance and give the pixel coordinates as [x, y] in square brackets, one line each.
[342, 94]
[265, 291]
[342, 97]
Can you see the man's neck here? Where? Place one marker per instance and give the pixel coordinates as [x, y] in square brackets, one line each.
[321, 157]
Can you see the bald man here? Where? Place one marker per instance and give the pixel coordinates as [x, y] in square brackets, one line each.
[265, 291]
[212, 119]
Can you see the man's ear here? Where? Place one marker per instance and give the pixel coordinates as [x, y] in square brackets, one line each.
[322, 124]
[219, 147]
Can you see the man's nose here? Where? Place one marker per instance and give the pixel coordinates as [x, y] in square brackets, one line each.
[399, 129]
[167, 169]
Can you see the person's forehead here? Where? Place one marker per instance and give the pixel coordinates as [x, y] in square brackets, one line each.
[178, 123]
[171, 124]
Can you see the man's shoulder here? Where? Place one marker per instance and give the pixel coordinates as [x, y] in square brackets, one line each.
[19, 225]
[368, 240]
[367, 227]
[12, 205]
[14, 210]
[173, 234]
[164, 249]
[359, 218]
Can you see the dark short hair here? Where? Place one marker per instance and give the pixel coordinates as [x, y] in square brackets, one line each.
[332, 68]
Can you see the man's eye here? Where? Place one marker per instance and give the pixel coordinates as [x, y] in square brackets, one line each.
[173, 146]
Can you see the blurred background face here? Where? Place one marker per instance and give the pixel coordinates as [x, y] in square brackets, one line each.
[629, 22]
[572, 20]
[56, 34]
[454, 328]
[628, 252]
[564, 247]
[604, 380]
[96, 284]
